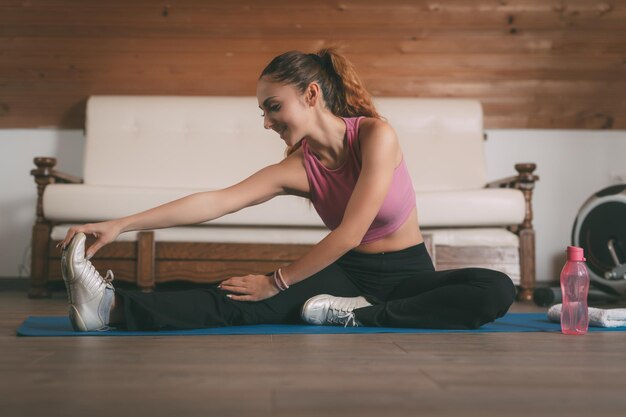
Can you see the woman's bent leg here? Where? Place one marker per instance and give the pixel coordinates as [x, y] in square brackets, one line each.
[455, 299]
[210, 307]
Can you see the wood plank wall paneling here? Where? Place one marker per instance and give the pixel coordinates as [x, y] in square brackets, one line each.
[532, 63]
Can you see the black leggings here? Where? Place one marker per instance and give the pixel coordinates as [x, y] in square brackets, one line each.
[403, 287]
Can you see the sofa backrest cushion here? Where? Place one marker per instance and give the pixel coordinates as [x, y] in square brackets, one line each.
[442, 141]
[158, 141]
[213, 142]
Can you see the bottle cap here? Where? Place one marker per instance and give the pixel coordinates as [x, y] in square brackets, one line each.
[574, 253]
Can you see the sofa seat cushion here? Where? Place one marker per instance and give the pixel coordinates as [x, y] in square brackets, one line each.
[90, 203]
[467, 208]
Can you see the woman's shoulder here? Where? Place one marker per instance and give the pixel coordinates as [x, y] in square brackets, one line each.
[298, 153]
[296, 159]
[376, 134]
[375, 129]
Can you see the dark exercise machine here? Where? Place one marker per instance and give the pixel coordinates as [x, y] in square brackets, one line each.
[600, 229]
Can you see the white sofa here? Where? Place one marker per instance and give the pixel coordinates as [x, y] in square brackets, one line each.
[142, 151]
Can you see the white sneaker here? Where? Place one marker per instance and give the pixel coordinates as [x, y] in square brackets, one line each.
[326, 309]
[89, 295]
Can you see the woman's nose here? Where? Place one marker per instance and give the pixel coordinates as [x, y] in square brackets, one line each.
[267, 123]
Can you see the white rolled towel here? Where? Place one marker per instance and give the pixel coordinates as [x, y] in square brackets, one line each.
[598, 317]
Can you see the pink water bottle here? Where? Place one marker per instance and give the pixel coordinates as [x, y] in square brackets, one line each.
[575, 288]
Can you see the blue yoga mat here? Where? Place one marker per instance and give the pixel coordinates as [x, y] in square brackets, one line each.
[512, 322]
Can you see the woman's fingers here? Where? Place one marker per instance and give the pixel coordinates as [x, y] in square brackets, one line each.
[235, 281]
[240, 289]
[103, 232]
[91, 251]
[68, 238]
[72, 232]
[240, 297]
[62, 243]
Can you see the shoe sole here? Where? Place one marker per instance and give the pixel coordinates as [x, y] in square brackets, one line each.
[77, 321]
[66, 268]
[78, 324]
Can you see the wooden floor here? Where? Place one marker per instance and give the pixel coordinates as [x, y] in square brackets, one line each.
[480, 374]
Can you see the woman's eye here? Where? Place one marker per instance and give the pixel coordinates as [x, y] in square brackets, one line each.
[272, 109]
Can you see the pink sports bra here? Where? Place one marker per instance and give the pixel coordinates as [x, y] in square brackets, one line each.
[331, 189]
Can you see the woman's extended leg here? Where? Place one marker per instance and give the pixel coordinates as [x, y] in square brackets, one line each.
[455, 299]
[210, 307]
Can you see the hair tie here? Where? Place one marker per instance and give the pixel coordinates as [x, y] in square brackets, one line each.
[279, 281]
[316, 58]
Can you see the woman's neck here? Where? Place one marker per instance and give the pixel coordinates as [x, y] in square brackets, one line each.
[327, 138]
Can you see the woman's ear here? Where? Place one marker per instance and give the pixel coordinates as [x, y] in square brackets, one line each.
[313, 94]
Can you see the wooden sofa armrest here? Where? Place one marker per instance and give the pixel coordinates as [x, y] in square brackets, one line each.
[46, 174]
[524, 181]
[509, 182]
[45, 168]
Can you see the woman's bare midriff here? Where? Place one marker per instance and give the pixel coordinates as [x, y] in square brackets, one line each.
[407, 235]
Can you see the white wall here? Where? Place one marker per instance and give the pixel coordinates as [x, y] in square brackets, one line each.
[18, 192]
[572, 165]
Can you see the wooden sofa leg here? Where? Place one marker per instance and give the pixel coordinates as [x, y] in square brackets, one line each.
[526, 183]
[39, 261]
[527, 264]
[145, 261]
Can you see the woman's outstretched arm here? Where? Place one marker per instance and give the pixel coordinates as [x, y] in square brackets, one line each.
[192, 209]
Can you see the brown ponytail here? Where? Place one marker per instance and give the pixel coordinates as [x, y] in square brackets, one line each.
[342, 89]
[345, 94]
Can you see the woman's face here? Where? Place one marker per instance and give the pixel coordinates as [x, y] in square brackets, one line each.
[284, 110]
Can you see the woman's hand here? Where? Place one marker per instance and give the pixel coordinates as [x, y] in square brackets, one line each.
[104, 232]
[250, 287]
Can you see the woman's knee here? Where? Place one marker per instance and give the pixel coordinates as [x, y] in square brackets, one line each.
[499, 292]
[505, 288]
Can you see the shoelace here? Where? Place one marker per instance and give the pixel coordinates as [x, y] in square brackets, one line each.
[351, 321]
[94, 279]
[347, 318]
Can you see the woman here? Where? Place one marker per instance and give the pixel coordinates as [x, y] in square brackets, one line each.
[372, 269]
